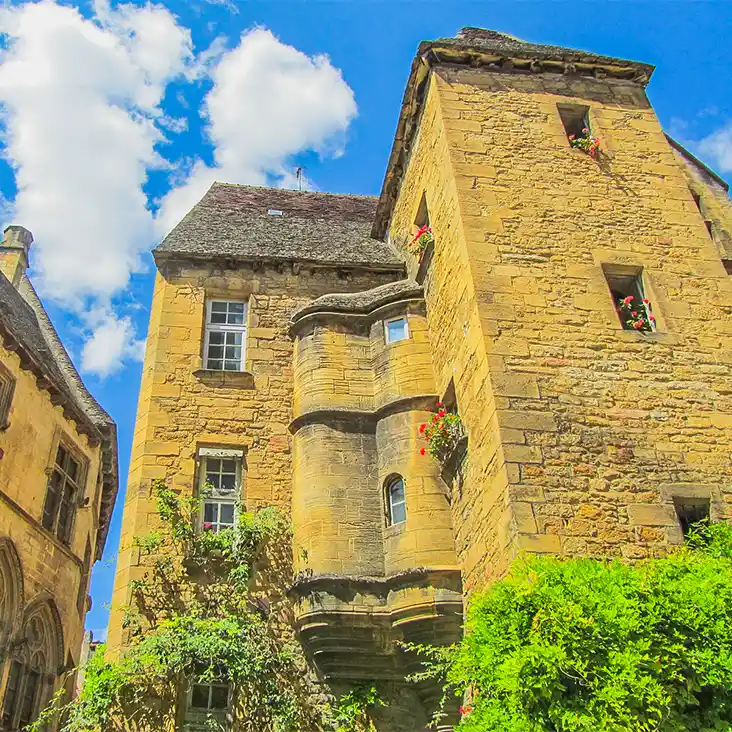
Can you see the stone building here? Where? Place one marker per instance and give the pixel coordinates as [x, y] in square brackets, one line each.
[58, 482]
[296, 345]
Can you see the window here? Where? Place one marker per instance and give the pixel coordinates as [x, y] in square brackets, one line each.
[396, 501]
[690, 511]
[7, 388]
[396, 329]
[62, 494]
[225, 335]
[274, 212]
[633, 307]
[576, 120]
[207, 705]
[220, 479]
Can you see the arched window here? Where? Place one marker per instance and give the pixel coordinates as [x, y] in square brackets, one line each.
[396, 503]
[33, 666]
[11, 594]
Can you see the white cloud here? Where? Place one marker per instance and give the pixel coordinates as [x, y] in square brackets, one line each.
[716, 149]
[112, 341]
[80, 99]
[268, 102]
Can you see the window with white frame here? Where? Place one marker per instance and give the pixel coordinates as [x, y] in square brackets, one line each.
[396, 503]
[396, 329]
[219, 484]
[226, 330]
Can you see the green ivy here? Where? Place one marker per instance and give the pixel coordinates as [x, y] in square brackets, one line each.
[584, 645]
[210, 606]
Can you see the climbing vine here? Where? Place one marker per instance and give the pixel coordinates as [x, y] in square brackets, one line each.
[582, 645]
[211, 606]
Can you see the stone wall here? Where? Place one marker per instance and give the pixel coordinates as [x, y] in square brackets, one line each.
[182, 407]
[581, 433]
[47, 573]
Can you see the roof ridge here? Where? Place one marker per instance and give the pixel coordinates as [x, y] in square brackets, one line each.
[289, 190]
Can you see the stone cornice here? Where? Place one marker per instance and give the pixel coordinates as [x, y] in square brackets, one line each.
[362, 417]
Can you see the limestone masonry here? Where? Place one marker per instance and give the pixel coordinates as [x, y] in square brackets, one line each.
[296, 345]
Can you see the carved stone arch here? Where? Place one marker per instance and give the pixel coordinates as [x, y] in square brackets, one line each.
[42, 613]
[11, 594]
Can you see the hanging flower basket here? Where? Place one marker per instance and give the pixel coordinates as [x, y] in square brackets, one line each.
[636, 316]
[586, 143]
[421, 239]
[443, 433]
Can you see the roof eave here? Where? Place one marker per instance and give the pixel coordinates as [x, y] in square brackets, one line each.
[435, 53]
[162, 257]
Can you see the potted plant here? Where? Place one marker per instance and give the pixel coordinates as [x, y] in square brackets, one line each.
[585, 142]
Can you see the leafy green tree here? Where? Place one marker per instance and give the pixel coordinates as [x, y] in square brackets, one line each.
[584, 645]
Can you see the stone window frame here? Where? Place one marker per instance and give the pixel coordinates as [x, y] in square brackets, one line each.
[387, 340]
[62, 441]
[195, 717]
[392, 481]
[632, 279]
[574, 118]
[220, 497]
[227, 328]
[7, 391]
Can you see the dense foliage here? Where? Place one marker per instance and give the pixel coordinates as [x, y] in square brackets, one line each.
[210, 606]
[584, 645]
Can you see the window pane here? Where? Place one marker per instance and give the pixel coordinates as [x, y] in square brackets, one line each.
[215, 351]
[226, 511]
[61, 457]
[233, 339]
[396, 330]
[228, 466]
[396, 491]
[236, 313]
[216, 338]
[199, 696]
[232, 365]
[399, 513]
[73, 469]
[53, 495]
[11, 692]
[29, 697]
[210, 512]
[215, 364]
[228, 483]
[213, 465]
[219, 697]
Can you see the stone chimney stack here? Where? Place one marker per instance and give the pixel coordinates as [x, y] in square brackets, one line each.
[14, 253]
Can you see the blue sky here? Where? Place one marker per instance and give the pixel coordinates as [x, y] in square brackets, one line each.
[116, 118]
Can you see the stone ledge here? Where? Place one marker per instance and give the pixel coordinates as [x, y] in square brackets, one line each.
[229, 379]
[652, 514]
[360, 417]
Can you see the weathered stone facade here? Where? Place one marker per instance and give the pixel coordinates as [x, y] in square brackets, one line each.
[583, 438]
[46, 553]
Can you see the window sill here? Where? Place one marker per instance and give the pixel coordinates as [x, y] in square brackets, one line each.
[424, 263]
[395, 530]
[231, 379]
[654, 337]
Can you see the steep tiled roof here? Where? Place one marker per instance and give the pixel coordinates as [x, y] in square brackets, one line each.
[233, 221]
[25, 325]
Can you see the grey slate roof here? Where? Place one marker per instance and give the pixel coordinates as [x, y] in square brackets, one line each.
[232, 221]
[361, 302]
[24, 321]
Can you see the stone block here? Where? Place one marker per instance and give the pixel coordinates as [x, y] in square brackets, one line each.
[648, 514]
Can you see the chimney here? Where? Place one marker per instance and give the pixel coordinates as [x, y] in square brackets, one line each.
[14, 253]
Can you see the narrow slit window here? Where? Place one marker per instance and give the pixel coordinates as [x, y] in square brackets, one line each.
[226, 328]
[396, 329]
[576, 121]
[396, 501]
[691, 511]
[220, 481]
[634, 309]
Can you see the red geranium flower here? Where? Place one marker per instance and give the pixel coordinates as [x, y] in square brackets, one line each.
[207, 526]
[422, 428]
[628, 300]
[441, 413]
[465, 710]
[645, 302]
[422, 451]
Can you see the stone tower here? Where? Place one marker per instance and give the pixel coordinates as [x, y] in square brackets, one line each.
[294, 336]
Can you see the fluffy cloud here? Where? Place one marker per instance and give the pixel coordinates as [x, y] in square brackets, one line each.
[81, 100]
[268, 101]
[716, 148]
[111, 342]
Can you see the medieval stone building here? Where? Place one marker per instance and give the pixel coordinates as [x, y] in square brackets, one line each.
[58, 482]
[296, 345]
